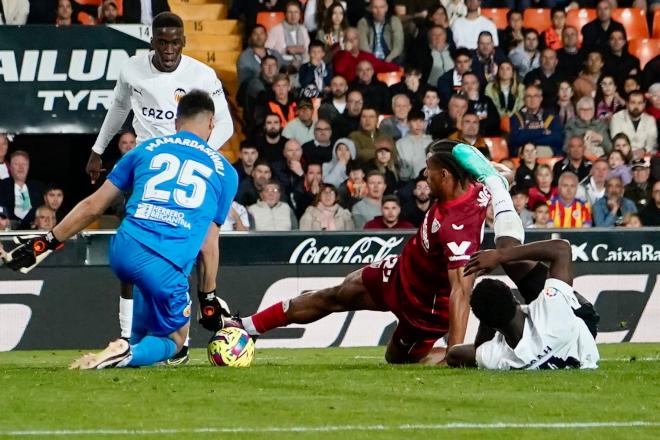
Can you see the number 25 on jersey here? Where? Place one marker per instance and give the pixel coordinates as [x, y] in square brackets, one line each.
[186, 175]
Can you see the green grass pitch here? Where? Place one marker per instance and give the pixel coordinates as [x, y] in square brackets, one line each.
[349, 393]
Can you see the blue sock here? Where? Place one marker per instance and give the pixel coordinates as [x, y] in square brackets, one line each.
[152, 349]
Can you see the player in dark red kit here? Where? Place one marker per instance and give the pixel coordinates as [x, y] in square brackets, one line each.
[424, 287]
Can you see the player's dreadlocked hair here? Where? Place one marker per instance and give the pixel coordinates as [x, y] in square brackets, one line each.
[493, 303]
[194, 103]
[167, 20]
[440, 152]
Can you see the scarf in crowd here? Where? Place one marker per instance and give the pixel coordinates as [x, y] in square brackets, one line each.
[289, 30]
[327, 217]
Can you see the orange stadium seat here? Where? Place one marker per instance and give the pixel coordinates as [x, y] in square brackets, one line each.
[505, 124]
[656, 24]
[578, 18]
[85, 18]
[549, 161]
[498, 148]
[270, 19]
[537, 18]
[390, 78]
[634, 20]
[497, 15]
[645, 49]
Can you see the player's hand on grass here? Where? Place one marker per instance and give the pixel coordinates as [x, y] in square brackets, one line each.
[93, 168]
[211, 311]
[31, 250]
[482, 262]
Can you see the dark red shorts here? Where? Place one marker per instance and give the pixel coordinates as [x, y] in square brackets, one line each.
[381, 279]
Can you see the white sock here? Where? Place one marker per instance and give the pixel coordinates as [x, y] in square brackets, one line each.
[509, 224]
[125, 316]
[187, 343]
[249, 327]
[501, 198]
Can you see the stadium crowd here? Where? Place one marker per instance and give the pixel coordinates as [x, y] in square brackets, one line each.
[342, 98]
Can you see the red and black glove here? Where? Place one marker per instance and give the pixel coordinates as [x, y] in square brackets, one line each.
[31, 251]
[211, 310]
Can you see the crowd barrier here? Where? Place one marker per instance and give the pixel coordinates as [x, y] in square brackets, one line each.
[71, 301]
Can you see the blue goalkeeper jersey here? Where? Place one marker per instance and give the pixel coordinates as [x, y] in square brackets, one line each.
[180, 185]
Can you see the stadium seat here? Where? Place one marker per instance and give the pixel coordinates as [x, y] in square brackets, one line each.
[634, 20]
[215, 58]
[645, 49]
[270, 19]
[505, 124]
[217, 42]
[390, 78]
[214, 27]
[537, 18]
[498, 148]
[656, 23]
[187, 11]
[85, 18]
[578, 18]
[497, 15]
[549, 161]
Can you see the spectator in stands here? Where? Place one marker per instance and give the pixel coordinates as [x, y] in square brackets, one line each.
[390, 216]
[410, 85]
[618, 61]
[381, 33]
[454, 9]
[411, 148]
[319, 149]
[506, 92]
[345, 61]
[353, 189]
[631, 84]
[369, 207]
[431, 103]
[514, 34]
[446, 123]
[575, 160]
[364, 137]
[413, 210]
[452, 80]
[433, 58]
[127, 141]
[586, 83]
[44, 219]
[4, 146]
[526, 57]
[547, 76]
[279, 101]
[53, 198]
[621, 142]
[650, 215]
[481, 105]
[249, 189]
[14, 12]
[5, 222]
[651, 72]
[334, 172]
[567, 211]
[524, 177]
[247, 156]
[65, 15]
[397, 126]
[290, 38]
[250, 62]
[333, 105]
[595, 33]
[608, 100]
[334, 25]
[110, 13]
[301, 128]
[631, 221]
[592, 131]
[570, 57]
[136, 12]
[269, 213]
[385, 162]
[237, 219]
[639, 190]
[610, 209]
[520, 198]
[325, 214]
[640, 128]
[270, 143]
[594, 186]
[466, 29]
[349, 120]
[303, 195]
[314, 76]
[315, 11]
[551, 37]
[541, 213]
[486, 58]
[289, 171]
[533, 124]
[255, 89]
[374, 92]
[19, 194]
[437, 16]
[468, 133]
[653, 106]
[618, 166]
[564, 106]
[543, 191]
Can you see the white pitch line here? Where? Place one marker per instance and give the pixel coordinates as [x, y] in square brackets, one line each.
[337, 428]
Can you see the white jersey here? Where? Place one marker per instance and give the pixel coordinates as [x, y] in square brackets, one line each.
[153, 96]
[553, 337]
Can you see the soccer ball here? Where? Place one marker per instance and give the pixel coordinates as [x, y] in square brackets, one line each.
[231, 347]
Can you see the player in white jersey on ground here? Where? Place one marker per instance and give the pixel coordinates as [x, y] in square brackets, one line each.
[151, 85]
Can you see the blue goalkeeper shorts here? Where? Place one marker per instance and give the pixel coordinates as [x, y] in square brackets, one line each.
[161, 304]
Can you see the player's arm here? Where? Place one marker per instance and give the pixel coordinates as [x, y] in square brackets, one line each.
[459, 305]
[211, 308]
[223, 123]
[556, 252]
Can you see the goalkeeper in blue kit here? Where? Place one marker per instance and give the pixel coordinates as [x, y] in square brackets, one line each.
[182, 191]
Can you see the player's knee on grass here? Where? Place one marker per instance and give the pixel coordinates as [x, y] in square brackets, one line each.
[461, 356]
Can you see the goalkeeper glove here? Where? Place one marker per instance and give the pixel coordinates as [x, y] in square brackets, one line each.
[31, 251]
[211, 310]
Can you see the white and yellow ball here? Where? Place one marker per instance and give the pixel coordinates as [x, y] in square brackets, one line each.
[231, 347]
